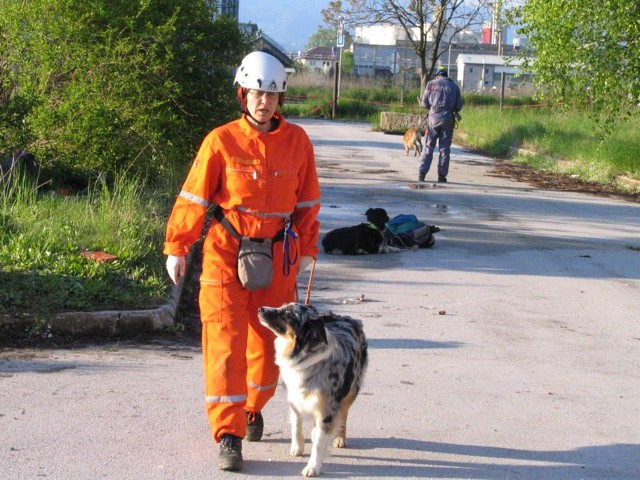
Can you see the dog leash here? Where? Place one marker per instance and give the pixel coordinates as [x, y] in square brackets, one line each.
[313, 268]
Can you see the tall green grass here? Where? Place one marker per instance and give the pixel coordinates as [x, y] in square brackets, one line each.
[567, 142]
[360, 99]
[42, 237]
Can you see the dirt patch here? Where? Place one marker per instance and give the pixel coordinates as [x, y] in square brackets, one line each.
[553, 181]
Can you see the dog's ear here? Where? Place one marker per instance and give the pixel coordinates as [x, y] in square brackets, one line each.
[312, 332]
[306, 312]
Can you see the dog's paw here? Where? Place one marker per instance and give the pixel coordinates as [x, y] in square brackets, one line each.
[297, 450]
[311, 470]
[340, 442]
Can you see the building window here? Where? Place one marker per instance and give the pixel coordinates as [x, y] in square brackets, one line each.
[226, 7]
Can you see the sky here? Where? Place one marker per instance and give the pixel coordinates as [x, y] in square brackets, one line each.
[289, 22]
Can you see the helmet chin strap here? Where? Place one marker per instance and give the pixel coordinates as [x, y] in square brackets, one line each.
[246, 111]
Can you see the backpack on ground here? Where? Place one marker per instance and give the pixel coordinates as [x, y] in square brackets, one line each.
[406, 231]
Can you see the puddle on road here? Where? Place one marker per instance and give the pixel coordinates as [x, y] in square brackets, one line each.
[444, 209]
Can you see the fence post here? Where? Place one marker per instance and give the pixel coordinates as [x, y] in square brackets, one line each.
[502, 90]
[336, 74]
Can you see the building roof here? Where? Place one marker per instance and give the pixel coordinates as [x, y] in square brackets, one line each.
[319, 53]
[263, 43]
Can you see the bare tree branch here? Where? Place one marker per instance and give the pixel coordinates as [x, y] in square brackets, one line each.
[430, 25]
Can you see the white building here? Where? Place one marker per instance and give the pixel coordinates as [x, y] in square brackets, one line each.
[385, 50]
[395, 34]
[380, 35]
[319, 59]
[483, 73]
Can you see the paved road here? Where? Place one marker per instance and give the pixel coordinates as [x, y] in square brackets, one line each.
[532, 372]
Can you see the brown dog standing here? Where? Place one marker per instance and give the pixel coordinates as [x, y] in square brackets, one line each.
[412, 139]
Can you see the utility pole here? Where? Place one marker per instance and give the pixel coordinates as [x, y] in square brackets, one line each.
[340, 45]
[497, 22]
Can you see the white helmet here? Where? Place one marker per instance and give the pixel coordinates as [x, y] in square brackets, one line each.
[261, 71]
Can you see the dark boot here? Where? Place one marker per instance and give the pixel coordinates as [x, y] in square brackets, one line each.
[442, 179]
[255, 426]
[230, 457]
[421, 177]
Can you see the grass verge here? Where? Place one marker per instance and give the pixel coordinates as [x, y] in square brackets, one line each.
[564, 142]
[42, 237]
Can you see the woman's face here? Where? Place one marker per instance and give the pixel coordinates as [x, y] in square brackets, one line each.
[262, 105]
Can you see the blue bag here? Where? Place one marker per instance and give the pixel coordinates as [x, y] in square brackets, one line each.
[406, 231]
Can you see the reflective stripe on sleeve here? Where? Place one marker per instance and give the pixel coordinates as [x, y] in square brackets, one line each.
[194, 198]
[307, 204]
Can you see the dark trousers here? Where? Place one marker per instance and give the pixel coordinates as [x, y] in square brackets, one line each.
[442, 135]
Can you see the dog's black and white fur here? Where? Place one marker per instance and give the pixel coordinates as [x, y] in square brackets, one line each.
[322, 359]
[359, 239]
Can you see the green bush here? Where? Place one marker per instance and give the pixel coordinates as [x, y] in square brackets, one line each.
[113, 87]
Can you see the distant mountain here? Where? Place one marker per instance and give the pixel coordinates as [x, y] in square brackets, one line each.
[289, 22]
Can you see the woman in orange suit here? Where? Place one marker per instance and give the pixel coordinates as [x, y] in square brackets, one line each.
[260, 170]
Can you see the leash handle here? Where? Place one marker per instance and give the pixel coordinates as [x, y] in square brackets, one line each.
[287, 259]
[313, 268]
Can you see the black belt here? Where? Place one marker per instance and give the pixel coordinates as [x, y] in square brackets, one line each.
[219, 215]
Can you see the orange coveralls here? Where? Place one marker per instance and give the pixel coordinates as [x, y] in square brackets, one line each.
[259, 179]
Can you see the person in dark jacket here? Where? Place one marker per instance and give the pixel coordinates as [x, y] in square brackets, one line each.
[442, 98]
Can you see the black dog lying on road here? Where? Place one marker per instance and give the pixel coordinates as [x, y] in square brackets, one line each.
[359, 239]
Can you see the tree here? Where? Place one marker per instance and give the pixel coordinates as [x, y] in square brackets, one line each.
[348, 64]
[115, 86]
[420, 19]
[322, 37]
[585, 51]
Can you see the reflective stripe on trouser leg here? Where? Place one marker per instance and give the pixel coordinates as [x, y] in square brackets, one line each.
[225, 388]
[225, 324]
[262, 371]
